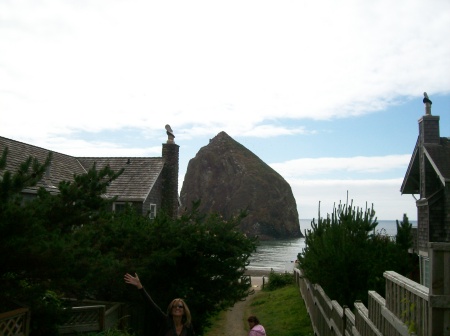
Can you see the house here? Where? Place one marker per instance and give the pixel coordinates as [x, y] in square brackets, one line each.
[407, 308]
[428, 175]
[150, 184]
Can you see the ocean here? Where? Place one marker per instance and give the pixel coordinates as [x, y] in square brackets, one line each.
[280, 255]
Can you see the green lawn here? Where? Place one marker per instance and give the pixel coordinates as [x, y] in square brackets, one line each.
[282, 312]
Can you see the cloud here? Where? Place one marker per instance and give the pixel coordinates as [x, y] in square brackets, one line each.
[362, 164]
[72, 71]
[326, 181]
[384, 195]
[109, 65]
[82, 148]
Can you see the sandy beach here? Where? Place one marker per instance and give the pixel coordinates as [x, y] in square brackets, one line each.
[259, 273]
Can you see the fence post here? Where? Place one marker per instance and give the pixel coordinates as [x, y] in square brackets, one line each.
[344, 319]
[439, 295]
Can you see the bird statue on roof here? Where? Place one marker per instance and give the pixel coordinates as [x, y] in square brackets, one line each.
[170, 135]
[427, 103]
[426, 99]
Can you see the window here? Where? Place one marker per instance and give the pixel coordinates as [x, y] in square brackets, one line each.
[425, 271]
[119, 207]
[152, 213]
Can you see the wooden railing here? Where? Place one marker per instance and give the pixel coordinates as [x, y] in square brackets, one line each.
[15, 322]
[84, 319]
[403, 313]
[407, 301]
[92, 316]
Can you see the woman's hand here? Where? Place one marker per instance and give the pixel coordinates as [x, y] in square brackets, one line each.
[133, 280]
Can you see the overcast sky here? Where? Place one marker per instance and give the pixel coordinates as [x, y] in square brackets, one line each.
[329, 93]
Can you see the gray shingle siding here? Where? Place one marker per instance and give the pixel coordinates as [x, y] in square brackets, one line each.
[429, 174]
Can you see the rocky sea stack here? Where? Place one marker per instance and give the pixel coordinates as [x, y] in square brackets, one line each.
[227, 178]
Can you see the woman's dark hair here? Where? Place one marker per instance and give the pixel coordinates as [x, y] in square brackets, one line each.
[253, 319]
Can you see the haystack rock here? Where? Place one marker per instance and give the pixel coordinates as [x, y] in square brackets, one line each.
[226, 177]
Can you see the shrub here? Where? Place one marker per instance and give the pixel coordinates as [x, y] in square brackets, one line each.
[279, 280]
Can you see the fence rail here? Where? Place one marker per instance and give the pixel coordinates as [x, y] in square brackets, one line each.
[92, 316]
[403, 313]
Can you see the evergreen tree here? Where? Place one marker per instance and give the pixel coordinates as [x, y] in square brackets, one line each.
[71, 245]
[199, 258]
[347, 257]
[404, 236]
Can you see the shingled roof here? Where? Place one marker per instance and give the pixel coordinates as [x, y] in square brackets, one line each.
[137, 179]
[439, 157]
[135, 183]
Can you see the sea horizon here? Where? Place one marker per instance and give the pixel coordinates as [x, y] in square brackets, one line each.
[280, 254]
[388, 225]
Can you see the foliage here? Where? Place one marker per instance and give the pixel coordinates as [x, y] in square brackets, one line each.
[23, 245]
[198, 258]
[347, 257]
[406, 313]
[112, 332]
[404, 236]
[28, 174]
[282, 312]
[408, 262]
[279, 280]
[70, 244]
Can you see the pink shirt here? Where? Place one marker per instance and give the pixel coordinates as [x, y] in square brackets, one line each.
[257, 330]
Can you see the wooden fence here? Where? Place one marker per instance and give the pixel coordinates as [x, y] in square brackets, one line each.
[85, 316]
[89, 316]
[15, 322]
[403, 313]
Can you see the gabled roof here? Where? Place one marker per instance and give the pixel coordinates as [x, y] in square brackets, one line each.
[411, 182]
[134, 184]
[63, 167]
[439, 157]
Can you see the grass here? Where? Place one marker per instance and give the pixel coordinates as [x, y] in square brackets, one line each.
[217, 324]
[282, 312]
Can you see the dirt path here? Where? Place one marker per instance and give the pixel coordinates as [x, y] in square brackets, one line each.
[234, 321]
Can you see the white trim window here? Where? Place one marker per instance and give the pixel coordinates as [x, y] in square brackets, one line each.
[424, 271]
[119, 207]
[152, 212]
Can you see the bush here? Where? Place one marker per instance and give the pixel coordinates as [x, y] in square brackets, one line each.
[112, 332]
[347, 256]
[279, 280]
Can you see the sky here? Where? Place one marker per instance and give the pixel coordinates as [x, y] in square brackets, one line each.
[328, 93]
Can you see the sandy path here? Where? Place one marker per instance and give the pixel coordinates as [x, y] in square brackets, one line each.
[234, 323]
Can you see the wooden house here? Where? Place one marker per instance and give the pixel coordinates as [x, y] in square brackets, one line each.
[148, 183]
[428, 175]
[408, 308]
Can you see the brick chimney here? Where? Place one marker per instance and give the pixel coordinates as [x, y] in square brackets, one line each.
[169, 194]
[428, 125]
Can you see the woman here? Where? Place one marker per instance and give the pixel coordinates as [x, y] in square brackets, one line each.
[177, 320]
[256, 329]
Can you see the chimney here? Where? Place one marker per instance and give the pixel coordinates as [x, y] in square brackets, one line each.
[170, 154]
[428, 124]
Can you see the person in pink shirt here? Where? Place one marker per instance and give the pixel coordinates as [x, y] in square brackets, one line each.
[256, 329]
